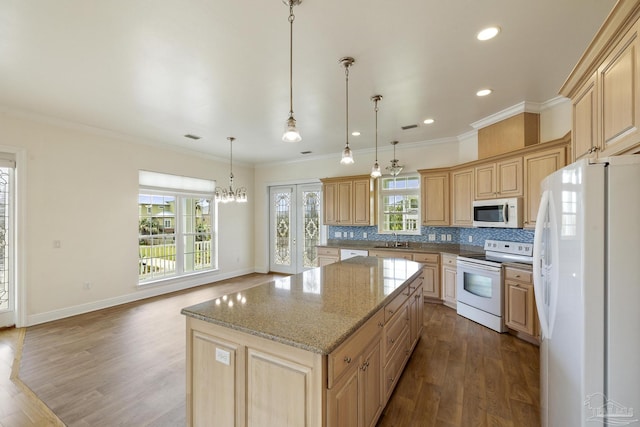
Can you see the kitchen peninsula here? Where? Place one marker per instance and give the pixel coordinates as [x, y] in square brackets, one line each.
[322, 348]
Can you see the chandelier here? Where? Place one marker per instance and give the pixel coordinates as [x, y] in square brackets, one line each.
[395, 168]
[291, 133]
[226, 195]
[375, 170]
[347, 156]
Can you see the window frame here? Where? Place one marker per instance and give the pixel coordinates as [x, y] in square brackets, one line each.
[179, 233]
[382, 192]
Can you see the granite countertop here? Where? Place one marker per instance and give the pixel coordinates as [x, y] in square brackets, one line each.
[448, 248]
[315, 310]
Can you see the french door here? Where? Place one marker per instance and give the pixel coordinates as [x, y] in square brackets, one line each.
[295, 227]
[7, 281]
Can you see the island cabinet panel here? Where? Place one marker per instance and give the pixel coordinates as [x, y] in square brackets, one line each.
[416, 316]
[277, 390]
[395, 364]
[214, 402]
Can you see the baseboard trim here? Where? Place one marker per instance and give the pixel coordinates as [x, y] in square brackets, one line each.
[139, 294]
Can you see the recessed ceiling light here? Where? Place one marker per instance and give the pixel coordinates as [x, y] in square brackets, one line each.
[428, 121]
[483, 92]
[356, 133]
[488, 33]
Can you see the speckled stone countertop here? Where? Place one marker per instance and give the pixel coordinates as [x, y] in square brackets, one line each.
[315, 310]
[448, 248]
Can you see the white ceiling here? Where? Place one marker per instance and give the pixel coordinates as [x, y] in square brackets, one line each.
[158, 69]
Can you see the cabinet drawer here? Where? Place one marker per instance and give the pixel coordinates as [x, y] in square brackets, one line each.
[519, 275]
[450, 260]
[428, 258]
[347, 353]
[328, 251]
[395, 305]
[393, 367]
[394, 331]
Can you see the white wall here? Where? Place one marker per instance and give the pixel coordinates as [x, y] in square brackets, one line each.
[556, 119]
[81, 189]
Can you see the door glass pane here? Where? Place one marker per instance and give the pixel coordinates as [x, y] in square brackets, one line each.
[282, 218]
[478, 284]
[4, 239]
[311, 231]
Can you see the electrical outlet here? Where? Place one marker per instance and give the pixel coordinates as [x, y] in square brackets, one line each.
[364, 235]
[448, 237]
[470, 239]
[351, 234]
[338, 234]
[432, 237]
[443, 237]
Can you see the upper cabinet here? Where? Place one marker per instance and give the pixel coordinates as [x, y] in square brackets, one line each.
[462, 191]
[605, 88]
[499, 179]
[537, 166]
[349, 200]
[434, 188]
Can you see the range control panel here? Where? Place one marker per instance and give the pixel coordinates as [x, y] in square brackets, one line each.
[515, 248]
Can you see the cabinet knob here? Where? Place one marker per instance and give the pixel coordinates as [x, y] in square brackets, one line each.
[392, 340]
[380, 324]
[391, 311]
[517, 275]
[347, 359]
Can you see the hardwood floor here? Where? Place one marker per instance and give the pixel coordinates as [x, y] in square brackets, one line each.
[126, 366]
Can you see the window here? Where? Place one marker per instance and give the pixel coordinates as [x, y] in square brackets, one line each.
[176, 231]
[400, 205]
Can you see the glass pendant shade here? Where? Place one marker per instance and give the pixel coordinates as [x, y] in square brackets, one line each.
[375, 170]
[226, 195]
[395, 168]
[291, 133]
[347, 157]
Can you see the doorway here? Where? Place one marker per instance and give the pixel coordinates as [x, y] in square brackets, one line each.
[295, 227]
[7, 240]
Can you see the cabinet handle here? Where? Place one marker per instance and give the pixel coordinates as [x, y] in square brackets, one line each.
[391, 379]
[390, 311]
[380, 324]
[517, 275]
[347, 359]
[392, 340]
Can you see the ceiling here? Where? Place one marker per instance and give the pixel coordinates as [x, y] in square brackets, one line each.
[157, 70]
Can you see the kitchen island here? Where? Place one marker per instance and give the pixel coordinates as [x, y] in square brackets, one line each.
[322, 348]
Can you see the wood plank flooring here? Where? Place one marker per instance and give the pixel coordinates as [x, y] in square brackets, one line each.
[126, 366]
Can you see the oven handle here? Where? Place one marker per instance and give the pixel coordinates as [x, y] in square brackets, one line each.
[477, 266]
[505, 212]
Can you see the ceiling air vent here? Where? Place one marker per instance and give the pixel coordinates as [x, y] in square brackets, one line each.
[305, 152]
[192, 136]
[409, 127]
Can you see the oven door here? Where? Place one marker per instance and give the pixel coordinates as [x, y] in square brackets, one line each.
[480, 286]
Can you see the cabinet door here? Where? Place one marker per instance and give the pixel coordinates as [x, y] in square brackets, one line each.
[435, 199]
[485, 182]
[519, 307]
[431, 281]
[330, 199]
[342, 401]
[416, 310]
[343, 208]
[620, 95]
[536, 167]
[449, 280]
[509, 180]
[371, 385]
[362, 202]
[462, 194]
[585, 120]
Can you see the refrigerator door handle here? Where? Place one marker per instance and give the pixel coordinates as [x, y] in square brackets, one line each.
[539, 284]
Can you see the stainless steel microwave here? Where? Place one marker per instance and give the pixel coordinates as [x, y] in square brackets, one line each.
[502, 213]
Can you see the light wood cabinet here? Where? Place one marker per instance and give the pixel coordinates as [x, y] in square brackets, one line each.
[416, 315]
[328, 256]
[449, 280]
[537, 166]
[349, 200]
[435, 192]
[430, 274]
[500, 179]
[605, 88]
[520, 305]
[462, 196]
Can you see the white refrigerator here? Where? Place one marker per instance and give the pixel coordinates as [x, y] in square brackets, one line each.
[587, 289]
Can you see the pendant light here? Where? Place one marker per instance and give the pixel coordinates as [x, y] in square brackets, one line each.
[226, 195]
[395, 168]
[375, 170]
[291, 133]
[347, 156]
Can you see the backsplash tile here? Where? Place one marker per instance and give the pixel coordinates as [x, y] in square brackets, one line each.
[440, 235]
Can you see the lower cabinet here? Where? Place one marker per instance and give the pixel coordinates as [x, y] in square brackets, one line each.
[520, 304]
[328, 256]
[449, 280]
[430, 274]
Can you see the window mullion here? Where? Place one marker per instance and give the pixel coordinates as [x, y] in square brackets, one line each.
[179, 234]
